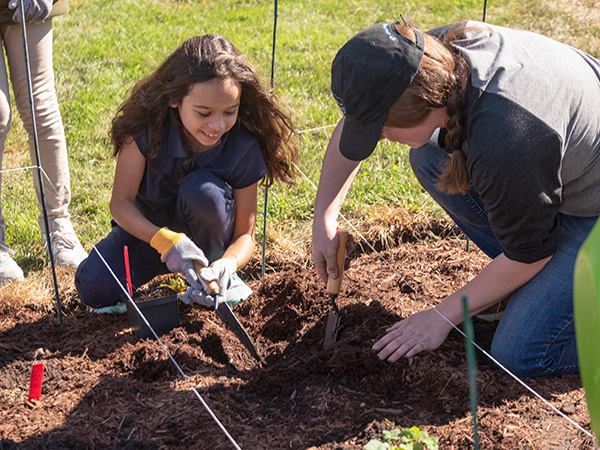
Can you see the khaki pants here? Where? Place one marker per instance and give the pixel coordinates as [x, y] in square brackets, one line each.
[50, 132]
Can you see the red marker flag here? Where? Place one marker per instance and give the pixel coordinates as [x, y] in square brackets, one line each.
[35, 382]
[127, 271]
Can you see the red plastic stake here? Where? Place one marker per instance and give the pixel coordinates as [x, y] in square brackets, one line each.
[35, 382]
[127, 271]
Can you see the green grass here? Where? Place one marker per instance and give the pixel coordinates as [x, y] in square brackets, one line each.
[101, 48]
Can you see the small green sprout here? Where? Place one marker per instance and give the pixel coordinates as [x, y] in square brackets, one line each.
[410, 439]
[176, 284]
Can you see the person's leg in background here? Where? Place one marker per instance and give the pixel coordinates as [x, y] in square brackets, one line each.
[66, 248]
[9, 269]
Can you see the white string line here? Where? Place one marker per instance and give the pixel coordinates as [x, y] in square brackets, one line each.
[315, 129]
[18, 168]
[140, 314]
[33, 167]
[556, 410]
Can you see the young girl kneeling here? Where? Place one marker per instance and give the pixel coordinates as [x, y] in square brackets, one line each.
[193, 141]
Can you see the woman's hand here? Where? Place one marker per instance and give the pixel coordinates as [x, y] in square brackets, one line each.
[324, 249]
[35, 10]
[425, 330]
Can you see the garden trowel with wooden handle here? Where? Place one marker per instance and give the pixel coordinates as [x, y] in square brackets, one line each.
[334, 286]
[226, 315]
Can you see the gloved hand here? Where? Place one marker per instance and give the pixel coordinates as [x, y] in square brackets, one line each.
[35, 10]
[178, 252]
[219, 271]
[192, 295]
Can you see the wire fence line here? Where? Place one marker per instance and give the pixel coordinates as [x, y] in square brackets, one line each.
[17, 169]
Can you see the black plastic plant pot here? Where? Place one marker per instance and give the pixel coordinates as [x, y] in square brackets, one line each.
[161, 313]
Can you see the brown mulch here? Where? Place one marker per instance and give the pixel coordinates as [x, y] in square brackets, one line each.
[105, 388]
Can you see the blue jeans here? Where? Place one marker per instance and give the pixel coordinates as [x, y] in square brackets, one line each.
[205, 212]
[536, 335]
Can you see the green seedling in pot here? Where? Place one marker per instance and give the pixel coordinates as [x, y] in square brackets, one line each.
[176, 284]
[410, 439]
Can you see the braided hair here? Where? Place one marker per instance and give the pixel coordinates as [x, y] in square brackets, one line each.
[438, 83]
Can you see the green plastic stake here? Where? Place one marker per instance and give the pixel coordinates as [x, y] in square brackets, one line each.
[266, 210]
[586, 305]
[264, 242]
[472, 365]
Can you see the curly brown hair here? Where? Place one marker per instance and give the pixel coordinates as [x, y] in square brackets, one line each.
[438, 83]
[197, 60]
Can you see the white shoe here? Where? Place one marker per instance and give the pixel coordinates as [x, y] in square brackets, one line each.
[119, 308]
[496, 311]
[67, 251]
[237, 290]
[10, 271]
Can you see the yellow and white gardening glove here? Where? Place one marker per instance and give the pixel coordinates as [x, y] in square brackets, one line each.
[34, 10]
[220, 272]
[192, 295]
[178, 252]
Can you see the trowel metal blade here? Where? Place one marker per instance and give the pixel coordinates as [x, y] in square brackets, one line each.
[333, 324]
[226, 314]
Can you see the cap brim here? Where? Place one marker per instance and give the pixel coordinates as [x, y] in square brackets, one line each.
[358, 140]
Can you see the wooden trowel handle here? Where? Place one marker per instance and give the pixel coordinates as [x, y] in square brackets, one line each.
[212, 286]
[334, 284]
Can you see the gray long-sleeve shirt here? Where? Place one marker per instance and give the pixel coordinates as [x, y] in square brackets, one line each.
[532, 134]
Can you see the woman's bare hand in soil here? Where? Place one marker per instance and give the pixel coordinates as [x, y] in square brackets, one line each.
[422, 331]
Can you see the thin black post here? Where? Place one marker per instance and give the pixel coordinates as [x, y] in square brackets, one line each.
[274, 40]
[37, 157]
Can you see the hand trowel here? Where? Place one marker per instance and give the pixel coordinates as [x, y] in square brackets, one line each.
[333, 289]
[226, 315]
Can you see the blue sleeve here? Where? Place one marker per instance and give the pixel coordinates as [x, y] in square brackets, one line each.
[141, 142]
[248, 166]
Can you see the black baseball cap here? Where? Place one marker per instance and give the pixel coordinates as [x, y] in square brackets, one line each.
[368, 75]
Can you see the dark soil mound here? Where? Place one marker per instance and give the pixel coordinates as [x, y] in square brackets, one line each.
[105, 388]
